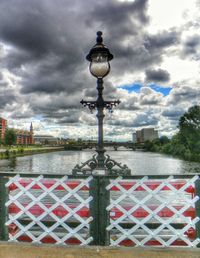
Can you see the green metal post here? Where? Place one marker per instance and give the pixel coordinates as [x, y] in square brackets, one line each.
[101, 199]
[104, 201]
[94, 210]
[100, 116]
[3, 209]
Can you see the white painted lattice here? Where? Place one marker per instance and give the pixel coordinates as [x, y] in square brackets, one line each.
[153, 212]
[49, 210]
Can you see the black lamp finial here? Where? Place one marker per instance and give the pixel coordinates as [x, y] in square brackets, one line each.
[99, 47]
[99, 37]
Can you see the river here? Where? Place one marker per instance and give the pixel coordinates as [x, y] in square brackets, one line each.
[62, 162]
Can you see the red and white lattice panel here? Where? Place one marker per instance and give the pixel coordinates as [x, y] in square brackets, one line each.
[49, 210]
[147, 212]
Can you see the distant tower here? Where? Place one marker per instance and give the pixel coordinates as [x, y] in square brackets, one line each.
[31, 134]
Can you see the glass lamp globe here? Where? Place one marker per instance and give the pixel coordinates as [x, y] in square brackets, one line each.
[99, 65]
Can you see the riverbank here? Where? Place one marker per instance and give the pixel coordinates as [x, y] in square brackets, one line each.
[24, 151]
[173, 148]
[186, 156]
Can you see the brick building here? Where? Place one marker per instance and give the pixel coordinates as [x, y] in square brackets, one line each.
[25, 136]
[3, 125]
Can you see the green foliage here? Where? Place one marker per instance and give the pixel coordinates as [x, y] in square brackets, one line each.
[164, 140]
[20, 149]
[157, 144]
[10, 137]
[148, 145]
[186, 143]
[7, 153]
[189, 125]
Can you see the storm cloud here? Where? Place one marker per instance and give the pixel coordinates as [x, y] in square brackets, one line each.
[191, 47]
[159, 75]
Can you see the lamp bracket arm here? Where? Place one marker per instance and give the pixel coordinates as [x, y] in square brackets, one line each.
[111, 104]
[90, 104]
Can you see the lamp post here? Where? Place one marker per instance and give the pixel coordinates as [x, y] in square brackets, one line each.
[99, 57]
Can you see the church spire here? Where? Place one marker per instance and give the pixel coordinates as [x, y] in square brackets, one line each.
[31, 127]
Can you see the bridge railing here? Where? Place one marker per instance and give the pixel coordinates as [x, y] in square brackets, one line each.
[101, 210]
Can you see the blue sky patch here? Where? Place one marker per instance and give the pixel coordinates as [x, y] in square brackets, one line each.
[135, 87]
[164, 90]
[132, 87]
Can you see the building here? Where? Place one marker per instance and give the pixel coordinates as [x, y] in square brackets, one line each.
[146, 134]
[46, 139]
[134, 139]
[3, 125]
[24, 136]
[138, 136]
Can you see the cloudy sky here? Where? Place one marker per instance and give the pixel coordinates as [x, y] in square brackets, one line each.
[44, 73]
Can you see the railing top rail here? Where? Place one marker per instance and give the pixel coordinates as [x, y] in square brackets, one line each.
[33, 175]
[70, 176]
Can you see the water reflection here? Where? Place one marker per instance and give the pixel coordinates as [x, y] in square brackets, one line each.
[63, 161]
[12, 163]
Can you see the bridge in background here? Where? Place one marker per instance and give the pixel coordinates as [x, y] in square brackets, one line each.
[114, 145]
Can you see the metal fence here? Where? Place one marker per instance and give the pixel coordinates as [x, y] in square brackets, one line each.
[101, 210]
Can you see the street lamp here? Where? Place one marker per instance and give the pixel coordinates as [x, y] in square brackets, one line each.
[99, 57]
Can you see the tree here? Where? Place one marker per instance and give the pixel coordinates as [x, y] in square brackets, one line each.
[164, 140]
[186, 143]
[189, 126]
[191, 119]
[10, 137]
